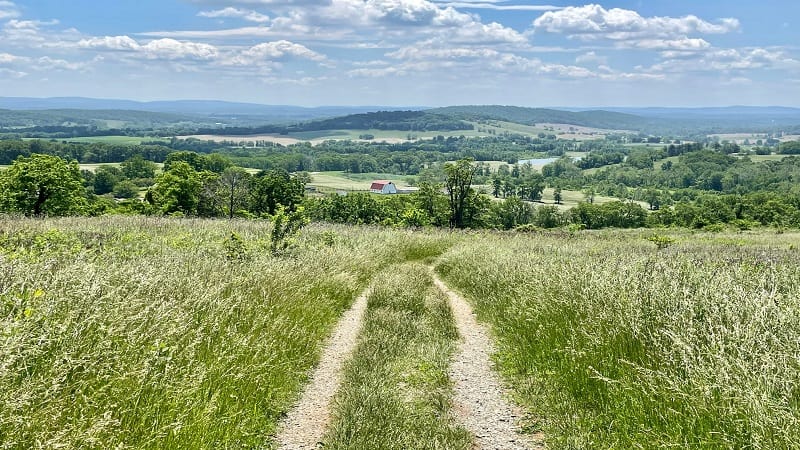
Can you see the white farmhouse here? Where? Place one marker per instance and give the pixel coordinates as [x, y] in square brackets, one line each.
[383, 187]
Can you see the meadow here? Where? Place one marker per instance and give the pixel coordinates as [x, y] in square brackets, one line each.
[142, 332]
[611, 342]
[155, 333]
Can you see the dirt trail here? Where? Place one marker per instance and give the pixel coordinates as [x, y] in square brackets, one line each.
[306, 423]
[480, 402]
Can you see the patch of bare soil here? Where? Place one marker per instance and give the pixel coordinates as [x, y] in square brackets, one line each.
[480, 402]
[306, 423]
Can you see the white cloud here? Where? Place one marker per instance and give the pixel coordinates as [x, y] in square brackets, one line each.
[110, 43]
[495, 6]
[237, 13]
[171, 49]
[48, 63]
[7, 58]
[165, 48]
[271, 52]
[683, 44]
[591, 58]
[12, 73]
[8, 10]
[723, 60]
[377, 72]
[593, 21]
[366, 21]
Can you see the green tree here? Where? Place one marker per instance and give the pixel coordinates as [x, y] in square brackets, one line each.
[126, 189]
[271, 188]
[458, 182]
[137, 167]
[42, 185]
[510, 213]
[105, 178]
[235, 187]
[557, 195]
[497, 185]
[285, 226]
[430, 199]
[177, 190]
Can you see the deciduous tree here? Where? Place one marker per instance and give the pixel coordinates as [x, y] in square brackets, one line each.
[42, 185]
[458, 182]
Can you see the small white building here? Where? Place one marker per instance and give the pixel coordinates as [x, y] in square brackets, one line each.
[383, 187]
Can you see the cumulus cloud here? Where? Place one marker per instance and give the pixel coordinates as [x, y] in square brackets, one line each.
[593, 21]
[271, 52]
[8, 10]
[591, 58]
[367, 20]
[236, 13]
[497, 7]
[7, 58]
[110, 43]
[10, 73]
[48, 63]
[723, 60]
[165, 48]
[683, 44]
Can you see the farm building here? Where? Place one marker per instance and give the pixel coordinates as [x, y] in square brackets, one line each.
[383, 187]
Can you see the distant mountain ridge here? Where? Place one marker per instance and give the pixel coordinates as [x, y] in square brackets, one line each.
[204, 108]
[528, 116]
[209, 115]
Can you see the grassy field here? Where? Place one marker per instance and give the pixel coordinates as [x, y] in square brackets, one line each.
[612, 343]
[396, 391]
[155, 333]
[343, 181]
[137, 332]
[120, 140]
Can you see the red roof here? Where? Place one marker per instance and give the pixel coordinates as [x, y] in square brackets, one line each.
[379, 184]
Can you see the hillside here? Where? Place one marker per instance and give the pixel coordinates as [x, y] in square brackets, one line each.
[528, 116]
[232, 111]
[381, 120]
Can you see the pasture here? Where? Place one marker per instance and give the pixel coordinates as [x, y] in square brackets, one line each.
[344, 181]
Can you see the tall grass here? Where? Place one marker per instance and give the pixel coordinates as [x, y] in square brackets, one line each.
[155, 333]
[611, 343]
[396, 392]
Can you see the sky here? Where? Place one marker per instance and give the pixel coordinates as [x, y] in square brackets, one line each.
[406, 52]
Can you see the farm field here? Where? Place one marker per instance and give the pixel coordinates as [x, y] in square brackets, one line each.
[119, 140]
[93, 167]
[343, 181]
[140, 332]
[317, 137]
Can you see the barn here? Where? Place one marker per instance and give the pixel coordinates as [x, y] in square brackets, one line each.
[383, 187]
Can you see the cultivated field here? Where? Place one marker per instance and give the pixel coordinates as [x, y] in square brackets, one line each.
[119, 140]
[137, 332]
[343, 181]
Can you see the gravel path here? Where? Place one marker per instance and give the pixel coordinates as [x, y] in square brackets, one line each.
[306, 423]
[479, 399]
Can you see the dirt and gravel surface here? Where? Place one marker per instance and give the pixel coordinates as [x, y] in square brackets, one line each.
[480, 401]
[306, 423]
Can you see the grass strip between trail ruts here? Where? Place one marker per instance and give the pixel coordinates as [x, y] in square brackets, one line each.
[396, 393]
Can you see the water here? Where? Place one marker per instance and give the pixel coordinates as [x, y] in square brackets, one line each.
[537, 161]
[542, 161]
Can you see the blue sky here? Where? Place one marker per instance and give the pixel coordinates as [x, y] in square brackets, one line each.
[406, 52]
